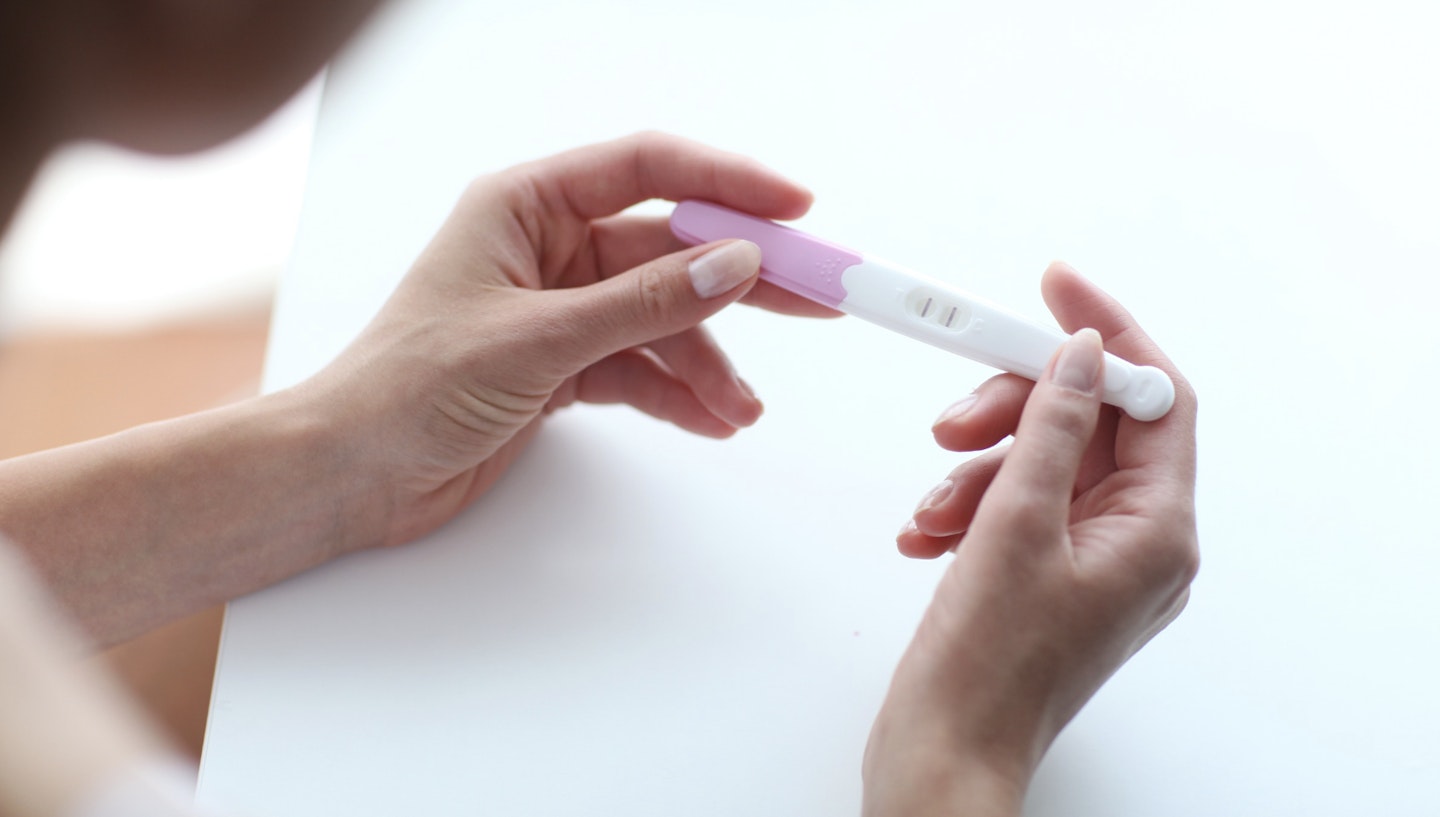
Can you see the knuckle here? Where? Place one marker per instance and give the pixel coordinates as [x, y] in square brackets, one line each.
[1070, 415]
[644, 146]
[514, 186]
[1023, 516]
[651, 138]
[653, 296]
[514, 191]
[1187, 561]
[486, 186]
[1174, 561]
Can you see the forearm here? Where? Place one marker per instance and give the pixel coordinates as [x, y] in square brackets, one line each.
[956, 791]
[917, 765]
[139, 528]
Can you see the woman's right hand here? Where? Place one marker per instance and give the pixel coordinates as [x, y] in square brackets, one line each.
[1074, 547]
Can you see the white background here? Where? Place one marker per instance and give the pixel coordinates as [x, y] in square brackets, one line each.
[109, 239]
[636, 622]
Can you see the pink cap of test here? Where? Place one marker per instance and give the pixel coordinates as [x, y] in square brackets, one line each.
[789, 258]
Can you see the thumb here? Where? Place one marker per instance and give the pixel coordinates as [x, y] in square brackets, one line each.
[1036, 484]
[657, 299]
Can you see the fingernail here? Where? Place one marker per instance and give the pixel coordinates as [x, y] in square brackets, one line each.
[1081, 360]
[958, 409]
[935, 497]
[724, 268]
[906, 529]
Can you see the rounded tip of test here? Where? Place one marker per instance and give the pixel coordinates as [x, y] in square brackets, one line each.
[1150, 395]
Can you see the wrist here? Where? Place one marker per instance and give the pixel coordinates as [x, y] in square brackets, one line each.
[325, 439]
[915, 767]
[954, 791]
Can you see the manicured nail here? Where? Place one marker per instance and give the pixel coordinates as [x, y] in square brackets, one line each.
[724, 268]
[1081, 360]
[906, 529]
[935, 497]
[958, 409]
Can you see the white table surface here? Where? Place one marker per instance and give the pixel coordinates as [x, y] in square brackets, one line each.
[636, 622]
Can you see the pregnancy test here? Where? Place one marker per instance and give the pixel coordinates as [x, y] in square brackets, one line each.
[913, 304]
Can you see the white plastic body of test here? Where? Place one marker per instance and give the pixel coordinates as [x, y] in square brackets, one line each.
[935, 313]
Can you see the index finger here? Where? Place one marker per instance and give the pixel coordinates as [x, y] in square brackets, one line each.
[603, 179]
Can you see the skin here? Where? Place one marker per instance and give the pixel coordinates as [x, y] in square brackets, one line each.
[138, 529]
[1073, 547]
[65, 730]
[538, 292]
[533, 295]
